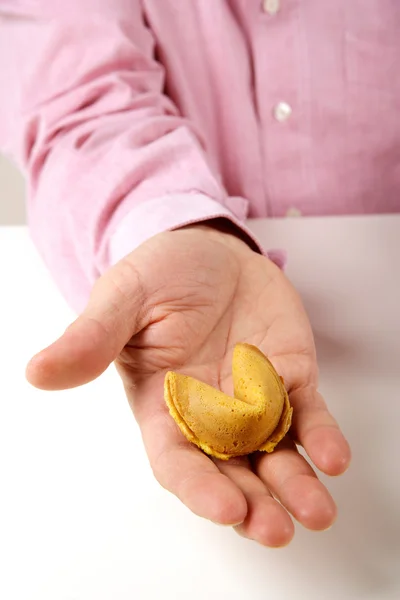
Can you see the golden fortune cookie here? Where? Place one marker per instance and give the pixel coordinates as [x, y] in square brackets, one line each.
[257, 418]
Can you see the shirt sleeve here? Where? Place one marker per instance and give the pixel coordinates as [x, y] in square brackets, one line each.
[109, 160]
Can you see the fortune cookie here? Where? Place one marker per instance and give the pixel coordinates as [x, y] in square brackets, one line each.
[256, 418]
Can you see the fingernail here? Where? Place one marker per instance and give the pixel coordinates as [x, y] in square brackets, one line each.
[227, 524]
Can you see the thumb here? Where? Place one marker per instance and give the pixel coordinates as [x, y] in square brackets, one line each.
[115, 312]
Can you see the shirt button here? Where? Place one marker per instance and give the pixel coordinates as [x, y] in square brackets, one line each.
[271, 6]
[282, 111]
[293, 212]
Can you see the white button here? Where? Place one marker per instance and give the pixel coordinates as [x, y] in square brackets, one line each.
[293, 212]
[271, 6]
[282, 111]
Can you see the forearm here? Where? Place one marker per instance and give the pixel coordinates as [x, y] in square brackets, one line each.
[109, 160]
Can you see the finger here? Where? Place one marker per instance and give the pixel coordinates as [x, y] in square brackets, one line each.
[116, 311]
[318, 432]
[179, 466]
[267, 521]
[291, 479]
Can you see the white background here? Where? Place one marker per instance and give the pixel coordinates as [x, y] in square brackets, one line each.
[12, 205]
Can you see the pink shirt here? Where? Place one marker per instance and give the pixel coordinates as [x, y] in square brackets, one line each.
[132, 117]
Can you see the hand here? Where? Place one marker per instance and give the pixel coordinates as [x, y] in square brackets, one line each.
[181, 301]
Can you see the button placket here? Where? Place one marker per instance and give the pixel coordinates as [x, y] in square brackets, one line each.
[278, 69]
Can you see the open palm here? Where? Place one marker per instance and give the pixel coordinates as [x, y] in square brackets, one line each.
[181, 302]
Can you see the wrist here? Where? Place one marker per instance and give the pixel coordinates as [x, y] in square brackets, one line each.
[226, 230]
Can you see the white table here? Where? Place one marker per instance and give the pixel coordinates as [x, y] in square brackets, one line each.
[81, 517]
